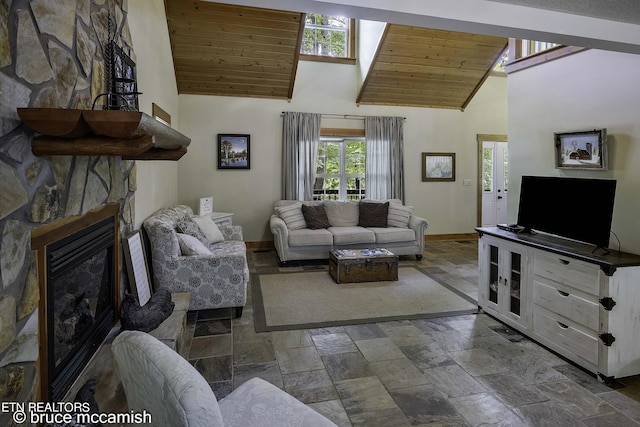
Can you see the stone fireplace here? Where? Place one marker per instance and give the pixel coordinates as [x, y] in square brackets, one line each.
[50, 56]
[79, 293]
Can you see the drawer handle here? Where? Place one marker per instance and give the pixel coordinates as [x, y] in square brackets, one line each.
[564, 294]
[562, 325]
[564, 261]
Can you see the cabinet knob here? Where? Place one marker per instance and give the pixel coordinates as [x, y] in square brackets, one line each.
[564, 261]
[564, 294]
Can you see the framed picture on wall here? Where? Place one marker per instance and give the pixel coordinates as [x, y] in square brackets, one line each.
[438, 167]
[582, 150]
[234, 151]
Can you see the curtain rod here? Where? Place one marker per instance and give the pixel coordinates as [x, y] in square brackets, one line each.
[344, 116]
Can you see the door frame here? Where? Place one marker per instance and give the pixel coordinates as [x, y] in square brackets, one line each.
[481, 138]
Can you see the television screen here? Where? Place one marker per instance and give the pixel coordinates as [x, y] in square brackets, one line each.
[576, 208]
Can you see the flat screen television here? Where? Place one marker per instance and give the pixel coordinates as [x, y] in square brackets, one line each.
[576, 208]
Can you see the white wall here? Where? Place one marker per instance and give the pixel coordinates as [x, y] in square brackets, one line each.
[157, 180]
[369, 36]
[589, 90]
[331, 88]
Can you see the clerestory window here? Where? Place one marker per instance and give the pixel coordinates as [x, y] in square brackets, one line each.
[340, 169]
[328, 37]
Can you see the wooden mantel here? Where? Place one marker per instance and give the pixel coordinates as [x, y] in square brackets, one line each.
[130, 134]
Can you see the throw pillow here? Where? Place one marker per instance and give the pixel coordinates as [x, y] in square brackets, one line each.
[189, 226]
[373, 214]
[209, 228]
[341, 214]
[399, 215]
[315, 216]
[292, 216]
[189, 245]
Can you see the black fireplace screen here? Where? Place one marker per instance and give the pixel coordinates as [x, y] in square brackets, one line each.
[80, 301]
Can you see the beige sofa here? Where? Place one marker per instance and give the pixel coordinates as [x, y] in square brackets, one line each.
[402, 233]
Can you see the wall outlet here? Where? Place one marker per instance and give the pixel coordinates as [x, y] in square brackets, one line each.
[466, 182]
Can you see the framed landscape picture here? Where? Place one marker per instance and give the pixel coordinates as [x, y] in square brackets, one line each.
[438, 167]
[582, 150]
[234, 151]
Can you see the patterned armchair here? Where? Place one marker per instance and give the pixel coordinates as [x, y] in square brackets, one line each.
[214, 281]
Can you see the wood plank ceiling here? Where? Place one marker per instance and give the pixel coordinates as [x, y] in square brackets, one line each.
[230, 50]
[422, 67]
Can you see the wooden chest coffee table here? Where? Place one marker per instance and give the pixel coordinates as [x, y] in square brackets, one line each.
[362, 265]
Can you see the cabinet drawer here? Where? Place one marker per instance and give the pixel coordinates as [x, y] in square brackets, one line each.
[559, 331]
[568, 271]
[567, 304]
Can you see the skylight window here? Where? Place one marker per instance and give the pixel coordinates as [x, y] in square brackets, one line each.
[328, 36]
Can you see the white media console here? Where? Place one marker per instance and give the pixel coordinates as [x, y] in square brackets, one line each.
[584, 305]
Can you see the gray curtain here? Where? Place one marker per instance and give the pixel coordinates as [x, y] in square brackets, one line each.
[300, 137]
[385, 157]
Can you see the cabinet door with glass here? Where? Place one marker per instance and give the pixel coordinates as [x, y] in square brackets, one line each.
[502, 291]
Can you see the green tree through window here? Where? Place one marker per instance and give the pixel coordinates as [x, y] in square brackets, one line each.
[340, 169]
[325, 35]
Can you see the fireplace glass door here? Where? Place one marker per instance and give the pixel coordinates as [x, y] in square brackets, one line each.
[80, 301]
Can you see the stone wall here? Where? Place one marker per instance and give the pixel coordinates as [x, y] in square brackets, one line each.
[50, 56]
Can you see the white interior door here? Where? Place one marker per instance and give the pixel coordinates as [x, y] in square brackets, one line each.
[494, 182]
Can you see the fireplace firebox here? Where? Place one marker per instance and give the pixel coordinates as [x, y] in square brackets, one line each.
[79, 274]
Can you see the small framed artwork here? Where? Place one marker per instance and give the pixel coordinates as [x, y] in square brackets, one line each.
[205, 206]
[438, 167]
[582, 150]
[234, 151]
[137, 271]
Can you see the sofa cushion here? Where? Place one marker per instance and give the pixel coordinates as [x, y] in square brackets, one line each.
[189, 245]
[342, 214]
[315, 217]
[209, 229]
[309, 237]
[399, 215]
[352, 235]
[189, 226]
[373, 214]
[393, 235]
[292, 216]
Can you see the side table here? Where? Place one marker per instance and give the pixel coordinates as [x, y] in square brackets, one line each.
[222, 218]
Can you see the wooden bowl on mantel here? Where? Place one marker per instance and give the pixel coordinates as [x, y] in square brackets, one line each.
[63, 123]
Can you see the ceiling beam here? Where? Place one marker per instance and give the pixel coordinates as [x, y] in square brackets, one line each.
[479, 17]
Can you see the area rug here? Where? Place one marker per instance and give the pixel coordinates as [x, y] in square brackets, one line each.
[304, 300]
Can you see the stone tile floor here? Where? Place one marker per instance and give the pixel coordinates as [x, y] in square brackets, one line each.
[455, 371]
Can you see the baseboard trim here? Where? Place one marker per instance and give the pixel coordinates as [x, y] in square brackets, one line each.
[456, 236]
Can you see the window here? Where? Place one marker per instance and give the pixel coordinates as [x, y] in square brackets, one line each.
[340, 169]
[328, 36]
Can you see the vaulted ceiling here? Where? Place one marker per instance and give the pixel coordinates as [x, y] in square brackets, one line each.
[229, 50]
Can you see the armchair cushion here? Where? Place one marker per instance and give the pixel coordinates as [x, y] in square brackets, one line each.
[157, 379]
[189, 245]
[160, 381]
[209, 229]
[189, 226]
